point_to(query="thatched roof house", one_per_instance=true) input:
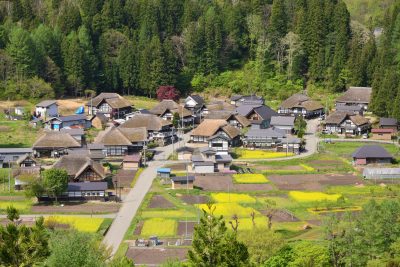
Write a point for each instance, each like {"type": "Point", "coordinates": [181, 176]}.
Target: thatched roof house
{"type": "Point", "coordinates": [81, 168]}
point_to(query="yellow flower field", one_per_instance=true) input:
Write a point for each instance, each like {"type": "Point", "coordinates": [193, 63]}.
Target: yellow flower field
{"type": "Point", "coordinates": [159, 227]}
{"type": "Point", "coordinates": [167, 214]}
{"type": "Point", "coordinates": [307, 168]}
{"type": "Point", "coordinates": [312, 196]}
{"type": "Point", "coordinates": [229, 209]}
{"type": "Point", "coordinates": [260, 154]}
{"type": "Point", "coordinates": [232, 197]}
{"type": "Point", "coordinates": [250, 178]}
{"type": "Point", "coordinates": [19, 205]}
{"type": "Point", "coordinates": [83, 224]}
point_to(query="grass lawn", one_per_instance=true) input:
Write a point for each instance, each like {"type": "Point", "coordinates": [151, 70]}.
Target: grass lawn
{"type": "Point", "coordinates": [229, 198]}
{"type": "Point", "coordinates": [142, 101]}
{"type": "Point", "coordinates": [17, 133]}
{"type": "Point", "coordinates": [82, 224]}
{"type": "Point", "coordinates": [229, 209]}
{"type": "Point", "coordinates": [259, 154]}
{"type": "Point", "coordinates": [21, 206]}
{"type": "Point", "coordinates": [300, 196]}
{"type": "Point", "coordinates": [250, 178]}
{"type": "Point", "coordinates": [159, 227]}
{"type": "Point", "coordinates": [345, 149]}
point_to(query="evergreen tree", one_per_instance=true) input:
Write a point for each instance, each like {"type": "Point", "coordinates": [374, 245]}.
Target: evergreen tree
{"type": "Point", "coordinates": [128, 64]}
{"type": "Point", "coordinates": [278, 22]}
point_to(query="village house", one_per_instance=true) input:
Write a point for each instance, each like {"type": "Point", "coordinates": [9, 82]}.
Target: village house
{"type": "Point", "coordinates": [9, 156]}
{"type": "Point", "coordinates": [122, 141]}
{"type": "Point", "coordinates": [26, 167]}
{"type": "Point", "coordinates": [389, 123]}
{"type": "Point", "coordinates": [77, 133]}
{"type": "Point", "coordinates": [46, 109]}
{"type": "Point", "coordinates": [285, 123]}
{"type": "Point", "coordinates": [54, 144]}
{"type": "Point", "coordinates": [371, 154]}
{"type": "Point", "coordinates": [132, 162]}
{"type": "Point", "coordinates": [87, 191]}
{"type": "Point", "coordinates": [99, 121]}
{"type": "Point", "coordinates": [257, 114]}
{"type": "Point", "coordinates": [263, 138]}
{"type": "Point", "coordinates": [81, 168]}
{"type": "Point", "coordinates": [159, 131]}
{"type": "Point", "coordinates": [217, 133]}
{"type": "Point", "coordinates": [219, 105]}
{"type": "Point", "coordinates": [182, 182]}
{"type": "Point", "coordinates": [77, 120]}
{"type": "Point", "coordinates": [97, 151]}
{"type": "Point", "coordinates": [167, 108]}
{"type": "Point", "coordinates": [301, 105]}
{"type": "Point", "coordinates": [383, 134]}
{"type": "Point", "coordinates": [236, 120]}
{"type": "Point", "coordinates": [343, 123]}
{"type": "Point", "coordinates": [164, 173]}
{"type": "Point", "coordinates": [354, 110]}
{"type": "Point", "coordinates": [356, 96]}
{"type": "Point", "coordinates": [197, 106]}
{"type": "Point", "coordinates": [209, 160]}
{"type": "Point", "coordinates": [185, 153]}
{"type": "Point", "coordinates": [112, 105]}
{"type": "Point", "coordinates": [238, 100]}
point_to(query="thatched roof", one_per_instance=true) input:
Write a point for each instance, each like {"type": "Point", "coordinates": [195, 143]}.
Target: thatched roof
{"type": "Point", "coordinates": [113, 99]}
{"type": "Point", "coordinates": [220, 105]}
{"type": "Point", "coordinates": [226, 115]}
{"type": "Point", "coordinates": [56, 140]}
{"type": "Point", "coordinates": [113, 136]}
{"type": "Point", "coordinates": [171, 106]}
{"type": "Point", "coordinates": [231, 131]}
{"type": "Point", "coordinates": [359, 95]}
{"type": "Point", "coordinates": [46, 103]}
{"type": "Point", "coordinates": [150, 122]}
{"type": "Point", "coordinates": [301, 101]}
{"type": "Point", "coordinates": [76, 164]}
{"type": "Point", "coordinates": [208, 127]}
{"type": "Point", "coordinates": [338, 117]}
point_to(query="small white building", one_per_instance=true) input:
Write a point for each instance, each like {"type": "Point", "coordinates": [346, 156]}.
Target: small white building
{"type": "Point", "coordinates": [47, 109]}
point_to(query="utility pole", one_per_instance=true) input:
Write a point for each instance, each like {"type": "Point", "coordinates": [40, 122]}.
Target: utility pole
{"type": "Point", "coordinates": [187, 193]}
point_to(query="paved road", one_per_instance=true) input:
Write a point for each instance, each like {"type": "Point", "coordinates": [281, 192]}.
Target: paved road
{"type": "Point", "coordinates": [133, 200]}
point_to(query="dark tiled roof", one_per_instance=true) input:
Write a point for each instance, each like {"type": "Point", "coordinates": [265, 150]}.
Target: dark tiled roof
{"type": "Point", "coordinates": [189, 178]}
{"type": "Point", "coordinates": [73, 132]}
{"type": "Point", "coordinates": [371, 151]}
{"type": "Point", "coordinates": [236, 97]}
{"type": "Point", "coordinates": [199, 100]}
{"type": "Point", "coordinates": [388, 122]}
{"type": "Point", "coordinates": [76, 117]}
{"type": "Point", "coordinates": [87, 186]}
{"type": "Point", "coordinates": [266, 133]}
{"type": "Point", "coordinates": [356, 95]}
{"type": "Point", "coordinates": [223, 158]}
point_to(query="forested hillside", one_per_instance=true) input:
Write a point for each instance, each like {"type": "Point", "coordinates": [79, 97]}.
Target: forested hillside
{"type": "Point", "coordinates": [369, 12]}
{"type": "Point", "coordinates": [273, 48]}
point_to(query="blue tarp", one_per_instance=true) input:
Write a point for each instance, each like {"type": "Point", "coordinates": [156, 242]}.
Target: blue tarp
{"type": "Point", "coordinates": [80, 110]}
{"type": "Point", "coordinates": [164, 170]}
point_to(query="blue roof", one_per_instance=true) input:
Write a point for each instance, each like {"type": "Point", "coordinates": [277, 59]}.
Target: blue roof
{"type": "Point", "coordinates": [164, 170]}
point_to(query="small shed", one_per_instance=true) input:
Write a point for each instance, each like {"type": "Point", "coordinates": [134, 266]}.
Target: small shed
{"type": "Point", "coordinates": [132, 162]}
{"type": "Point", "coordinates": [164, 172]}
{"type": "Point", "coordinates": [182, 182]}
{"type": "Point", "coordinates": [371, 154]}
{"type": "Point", "coordinates": [382, 134]}
{"type": "Point", "coordinates": [203, 167]}
{"type": "Point", "coordinates": [185, 153]}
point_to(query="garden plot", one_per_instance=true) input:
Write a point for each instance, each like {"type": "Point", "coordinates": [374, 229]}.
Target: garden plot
{"type": "Point", "coordinates": [160, 202]}
{"type": "Point", "coordinates": [177, 167]}
{"type": "Point", "coordinates": [83, 224]}
{"type": "Point", "coordinates": [253, 187]}
{"type": "Point", "coordinates": [155, 256]}
{"type": "Point", "coordinates": [259, 154]}
{"type": "Point", "coordinates": [250, 178]}
{"type": "Point", "coordinates": [213, 182]}
{"type": "Point", "coordinates": [192, 199]}
{"type": "Point", "coordinates": [183, 225]}
{"type": "Point", "coordinates": [77, 207]}
{"type": "Point", "coordinates": [232, 198]}
{"type": "Point", "coordinates": [300, 196]}
{"type": "Point", "coordinates": [229, 209]}
{"type": "Point", "coordinates": [281, 216]}
{"type": "Point", "coordinates": [314, 182]}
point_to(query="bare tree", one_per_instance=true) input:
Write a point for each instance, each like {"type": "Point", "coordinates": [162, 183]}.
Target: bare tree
{"type": "Point", "coordinates": [292, 46]}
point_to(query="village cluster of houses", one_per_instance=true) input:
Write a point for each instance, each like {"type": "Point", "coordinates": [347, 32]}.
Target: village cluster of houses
{"type": "Point", "coordinates": [215, 128]}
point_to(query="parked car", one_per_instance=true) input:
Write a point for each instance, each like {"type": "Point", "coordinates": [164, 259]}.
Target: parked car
{"type": "Point", "coordinates": [365, 136]}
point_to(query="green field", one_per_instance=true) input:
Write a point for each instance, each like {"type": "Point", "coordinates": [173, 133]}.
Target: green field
{"type": "Point", "coordinates": [16, 133]}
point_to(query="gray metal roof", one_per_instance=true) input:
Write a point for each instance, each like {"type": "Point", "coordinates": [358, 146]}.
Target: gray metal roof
{"type": "Point", "coordinates": [46, 103]}
{"type": "Point", "coordinates": [203, 163]}
{"type": "Point", "coordinates": [223, 158]}
{"type": "Point", "coordinates": [388, 122]}
{"type": "Point", "coordinates": [381, 171]}
{"type": "Point", "coordinates": [88, 186]}
{"type": "Point", "coordinates": [4, 151]}
{"type": "Point", "coordinates": [371, 151]}
{"type": "Point", "coordinates": [282, 120]}
{"type": "Point", "coordinates": [189, 178]}
{"type": "Point", "coordinates": [266, 133]}
{"type": "Point", "coordinates": [76, 117]}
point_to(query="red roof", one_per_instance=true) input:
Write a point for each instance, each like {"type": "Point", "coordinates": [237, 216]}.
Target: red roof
{"type": "Point", "coordinates": [132, 158]}
{"type": "Point", "coordinates": [382, 131]}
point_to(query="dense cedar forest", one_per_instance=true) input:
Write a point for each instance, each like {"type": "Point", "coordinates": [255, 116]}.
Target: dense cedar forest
{"type": "Point", "coordinates": [274, 48]}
